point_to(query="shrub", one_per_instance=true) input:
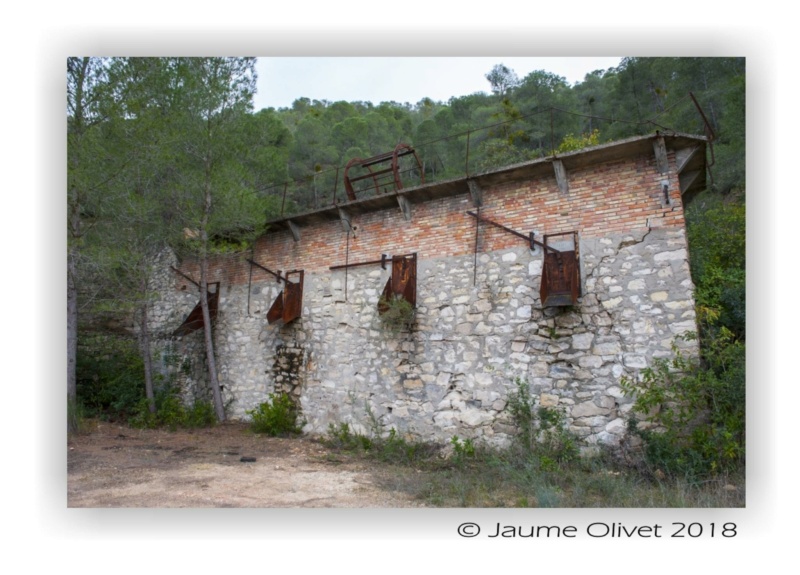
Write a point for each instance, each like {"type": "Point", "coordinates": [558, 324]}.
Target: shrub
{"type": "Point", "coordinates": [698, 411]}
{"type": "Point", "coordinates": [396, 314]}
{"type": "Point", "coordinates": [542, 430]}
{"type": "Point", "coordinates": [75, 417]}
{"type": "Point", "coordinates": [462, 448]}
{"type": "Point", "coordinates": [110, 377]}
{"type": "Point", "coordinates": [278, 416]}
{"type": "Point", "coordinates": [717, 243]}
{"type": "Point", "coordinates": [172, 413]}
{"type": "Point", "coordinates": [386, 447]}
{"type": "Point", "coordinates": [572, 142]}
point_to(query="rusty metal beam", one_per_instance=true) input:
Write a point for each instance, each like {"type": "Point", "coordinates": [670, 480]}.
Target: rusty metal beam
{"type": "Point", "coordinates": [194, 321]}
{"type": "Point", "coordinates": [529, 238]}
{"type": "Point", "coordinates": [381, 261]}
{"type": "Point", "coordinates": [269, 271]}
{"type": "Point", "coordinates": [176, 270]}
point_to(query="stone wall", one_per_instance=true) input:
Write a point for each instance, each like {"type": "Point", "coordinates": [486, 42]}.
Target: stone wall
{"type": "Point", "coordinates": [479, 324]}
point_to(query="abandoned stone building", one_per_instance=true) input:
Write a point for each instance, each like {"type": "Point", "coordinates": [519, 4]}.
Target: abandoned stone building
{"type": "Point", "coordinates": [566, 272]}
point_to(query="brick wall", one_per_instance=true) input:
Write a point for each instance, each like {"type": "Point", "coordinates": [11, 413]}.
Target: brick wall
{"type": "Point", "coordinates": [609, 198]}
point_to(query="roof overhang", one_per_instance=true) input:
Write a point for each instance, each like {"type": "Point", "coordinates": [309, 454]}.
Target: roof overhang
{"type": "Point", "coordinates": [689, 153]}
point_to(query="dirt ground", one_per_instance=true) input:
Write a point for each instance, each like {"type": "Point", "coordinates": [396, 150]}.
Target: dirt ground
{"type": "Point", "coordinates": [117, 466]}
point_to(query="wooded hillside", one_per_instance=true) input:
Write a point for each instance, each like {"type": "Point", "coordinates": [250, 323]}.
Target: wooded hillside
{"type": "Point", "coordinates": [169, 152]}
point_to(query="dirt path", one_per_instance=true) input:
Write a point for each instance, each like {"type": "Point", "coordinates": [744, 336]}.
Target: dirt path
{"type": "Point", "coordinates": [116, 466]}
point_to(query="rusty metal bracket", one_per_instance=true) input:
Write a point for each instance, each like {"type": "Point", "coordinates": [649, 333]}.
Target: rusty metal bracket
{"type": "Point", "coordinates": [176, 270]}
{"type": "Point", "coordinates": [277, 274]}
{"type": "Point", "coordinates": [382, 261]}
{"type": "Point", "coordinates": [529, 238]}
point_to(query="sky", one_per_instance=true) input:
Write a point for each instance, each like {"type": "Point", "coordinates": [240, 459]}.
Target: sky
{"type": "Point", "coordinates": [281, 80]}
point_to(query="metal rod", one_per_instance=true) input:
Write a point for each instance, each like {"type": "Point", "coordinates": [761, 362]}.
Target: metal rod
{"type": "Point", "coordinates": [709, 131]}
{"type": "Point", "coordinates": [702, 115]}
{"type": "Point", "coordinates": [269, 271]}
{"type": "Point", "coordinates": [335, 185]}
{"type": "Point", "coordinates": [349, 265]}
{"type": "Point", "coordinates": [466, 161]}
{"type": "Point", "coordinates": [347, 260]}
{"type": "Point", "coordinates": [510, 231]}
{"type": "Point", "coordinates": [475, 262]}
{"type": "Point", "coordinates": [184, 275]}
{"type": "Point", "coordinates": [250, 280]}
{"type": "Point", "coordinates": [384, 259]}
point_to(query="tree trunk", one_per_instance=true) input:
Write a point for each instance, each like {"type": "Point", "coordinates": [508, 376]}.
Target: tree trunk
{"type": "Point", "coordinates": [80, 71]}
{"type": "Point", "coordinates": [144, 340]}
{"type": "Point", "coordinates": [72, 331]}
{"type": "Point", "coordinates": [219, 407]}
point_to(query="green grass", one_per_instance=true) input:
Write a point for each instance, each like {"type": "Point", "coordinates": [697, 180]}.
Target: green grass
{"type": "Point", "coordinates": [517, 477]}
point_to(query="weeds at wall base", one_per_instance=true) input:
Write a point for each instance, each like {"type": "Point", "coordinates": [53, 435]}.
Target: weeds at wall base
{"type": "Point", "coordinates": [172, 413]}
{"type": "Point", "coordinates": [275, 417]}
{"type": "Point", "coordinates": [541, 468]}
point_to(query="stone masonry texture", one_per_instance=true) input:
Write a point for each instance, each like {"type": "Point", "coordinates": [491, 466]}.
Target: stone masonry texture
{"type": "Point", "coordinates": [479, 325]}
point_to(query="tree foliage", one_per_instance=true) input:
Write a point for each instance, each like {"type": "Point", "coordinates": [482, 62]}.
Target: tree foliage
{"type": "Point", "coordinates": [502, 79]}
{"type": "Point", "coordinates": [158, 146]}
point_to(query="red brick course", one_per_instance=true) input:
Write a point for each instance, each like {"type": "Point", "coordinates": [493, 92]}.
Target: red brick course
{"type": "Point", "coordinates": [605, 199]}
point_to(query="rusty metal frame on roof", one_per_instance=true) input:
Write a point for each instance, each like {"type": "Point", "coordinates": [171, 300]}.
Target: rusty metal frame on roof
{"type": "Point", "coordinates": [402, 283]}
{"type": "Point", "coordinates": [194, 321]}
{"type": "Point", "coordinates": [386, 176]}
{"type": "Point", "coordinates": [561, 276]}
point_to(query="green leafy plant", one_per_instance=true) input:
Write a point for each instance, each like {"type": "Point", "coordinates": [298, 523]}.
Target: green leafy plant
{"type": "Point", "coordinates": [278, 416]}
{"type": "Point", "coordinates": [341, 437]}
{"type": "Point", "coordinates": [172, 412]}
{"type": "Point", "coordinates": [463, 449]}
{"type": "Point", "coordinates": [110, 377]}
{"type": "Point", "coordinates": [571, 142]}
{"type": "Point", "coordinates": [75, 417]}
{"type": "Point", "coordinates": [696, 411]}
{"type": "Point", "coordinates": [397, 314]}
{"type": "Point", "coordinates": [542, 430]}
